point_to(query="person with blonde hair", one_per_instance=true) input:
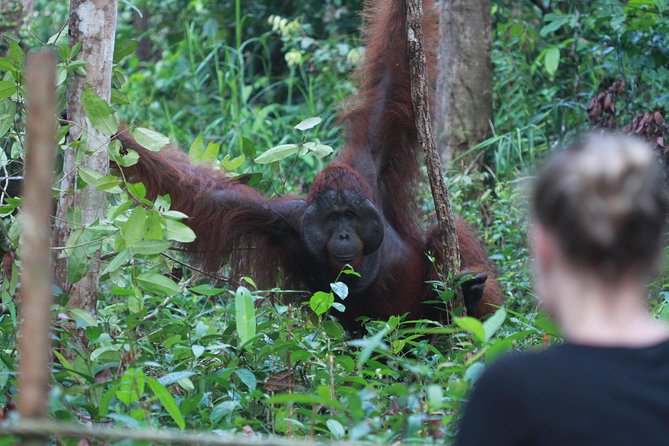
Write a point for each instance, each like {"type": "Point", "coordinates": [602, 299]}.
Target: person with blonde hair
{"type": "Point", "coordinates": [599, 214]}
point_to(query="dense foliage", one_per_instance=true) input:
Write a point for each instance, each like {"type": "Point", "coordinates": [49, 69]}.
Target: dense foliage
{"type": "Point", "coordinates": [228, 80]}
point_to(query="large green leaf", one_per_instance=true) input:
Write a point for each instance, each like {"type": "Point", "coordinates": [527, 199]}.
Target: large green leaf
{"type": "Point", "coordinates": [7, 89]}
{"type": "Point", "coordinates": [167, 400]}
{"type": "Point", "coordinates": [245, 313]}
{"type": "Point", "coordinates": [150, 139]}
{"type": "Point", "coordinates": [472, 326]}
{"type": "Point", "coordinates": [308, 123]}
{"type": "Point", "coordinates": [277, 153]}
{"type": "Point", "coordinates": [133, 229]}
{"type": "Point", "coordinates": [99, 112]}
{"type": "Point", "coordinates": [155, 283]}
{"type": "Point", "coordinates": [552, 60]}
{"type": "Point", "coordinates": [179, 232]}
{"type": "Point", "coordinates": [492, 324]}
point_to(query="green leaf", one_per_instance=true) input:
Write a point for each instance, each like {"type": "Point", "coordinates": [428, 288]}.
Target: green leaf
{"type": "Point", "coordinates": [127, 159]}
{"type": "Point", "coordinates": [118, 261]}
{"type": "Point", "coordinates": [99, 112]}
{"type": "Point", "coordinates": [552, 60]}
{"type": "Point", "coordinates": [124, 48]}
{"type": "Point", "coordinates": [83, 318]}
{"type": "Point", "coordinates": [320, 302]}
{"type": "Point", "coordinates": [105, 401]}
{"type": "Point", "coordinates": [247, 377]}
{"type": "Point", "coordinates": [245, 315]}
{"type": "Point", "coordinates": [16, 54]}
{"type": "Point", "coordinates": [472, 326]}
{"type": "Point", "coordinates": [89, 176]}
{"type": "Point", "coordinates": [135, 301]}
{"type": "Point", "coordinates": [340, 289]}
{"type": "Point", "coordinates": [196, 148]}
{"type": "Point", "coordinates": [7, 89]}
{"type": "Point", "coordinates": [6, 121]}
{"type": "Point", "coordinates": [150, 139]}
{"type": "Point", "coordinates": [197, 350]}
{"type": "Point", "coordinates": [277, 153]}
{"type": "Point", "coordinates": [336, 428]}
{"type": "Point", "coordinates": [492, 324]}
{"type": "Point", "coordinates": [110, 184]}
{"type": "Point", "coordinates": [248, 148]}
{"type": "Point", "coordinates": [320, 150]}
{"type": "Point", "coordinates": [79, 261]}
{"type": "Point", "coordinates": [151, 247]}
{"type": "Point", "coordinates": [554, 25]}
{"type": "Point", "coordinates": [308, 123]}
{"type": "Point", "coordinates": [119, 98]}
{"type": "Point", "coordinates": [6, 65]}
{"type": "Point", "coordinates": [206, 290]}
{"type": "Point", "coordinates": [369, 345]}
{"type": "Point", "coordinates": [167, 400]}
{"type": "Point", "coordinates": [210, 154]}
{"type": "Point", "coordinates": [232, 164]}
{"type": "Point", "coordinates": [133, 229]}
{"type": "Point", "coordinates": [155, 283]}
{"type": "Point", "coordinates": [179, 232]}
{"type": "Point", "coordinates": [474, 371]}
{"type": "Point", "coordinates": [435, 396]}
{"type": "Point", "coordinates": [173, 377]}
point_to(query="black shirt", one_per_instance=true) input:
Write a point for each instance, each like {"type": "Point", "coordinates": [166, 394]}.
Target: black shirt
{"type": "Point", "coordinates": [572, 395]}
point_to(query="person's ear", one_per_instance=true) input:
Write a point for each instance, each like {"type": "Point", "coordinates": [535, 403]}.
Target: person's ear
{"type": "Point", "coordinates": [542, 245]}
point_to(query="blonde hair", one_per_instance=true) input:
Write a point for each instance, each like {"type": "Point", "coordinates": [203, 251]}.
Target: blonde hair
{"type": "Point", "coordinates": [605, 200]}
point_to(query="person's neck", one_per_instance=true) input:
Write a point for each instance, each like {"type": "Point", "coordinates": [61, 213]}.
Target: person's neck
{"type": "Point", "coordinates": [601, 315]}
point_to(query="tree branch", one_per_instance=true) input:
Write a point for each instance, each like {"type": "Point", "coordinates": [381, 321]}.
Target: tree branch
{"type": "Point", "coordinates": [421, 107]}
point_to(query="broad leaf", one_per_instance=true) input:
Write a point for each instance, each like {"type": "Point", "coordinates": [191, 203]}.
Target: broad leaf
{"type": "Point", "coordinates": [7, 89]}
{"type": "Point", "coordinates": [245, 315]}
{"type": "Point", "coordinates": [277, 153]}
{"type": "Point", "coordinates": [472, 326]}
{"type": "Point", "coordinates": [99, 112]}
{"type": "Point", "coordinates": [150, 139]}
{"type": "Point", "coordinates": [552, 60]}
{"type": "Point", "coordinates": [155, 283]}
{"type": "Point", "coordinates": [167, 400]}
{"type": "Point", "coordinates": [320, 150]}
{"type": "Point", "coordinates": [321, 302]}
{"type": "Point", "coordinates": [308, 123]}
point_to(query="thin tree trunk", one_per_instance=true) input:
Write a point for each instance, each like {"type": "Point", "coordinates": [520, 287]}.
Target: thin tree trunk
{"type": "Point", "coordinates": [36, 288]}
{"type": "Point", "coordinates": [464, 86]}
{"type": "Point", "coordinates": [93, 25]}
{"type": "Point", "coordinates": [421, 108]}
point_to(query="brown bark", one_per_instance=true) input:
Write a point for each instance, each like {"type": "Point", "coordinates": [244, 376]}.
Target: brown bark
{"type": "Point", "coordinates": [93, 24]}
{"type": "Point", "coordinates": [464, 86]}
{"type": "Point", "coordinates": [36, 289]}
{"type": "Point", "coordinates": [421, 107]}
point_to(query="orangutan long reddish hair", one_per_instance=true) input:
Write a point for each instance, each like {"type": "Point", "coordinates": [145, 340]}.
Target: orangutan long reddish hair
{"type": "Point", "coordinates": [361, 210]}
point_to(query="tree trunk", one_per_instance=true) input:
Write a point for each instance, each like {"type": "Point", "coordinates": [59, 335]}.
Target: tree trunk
{"type": "Point", "coordinates": [464, 84]}
{"type": "Point", "coordinates": [93, 25]}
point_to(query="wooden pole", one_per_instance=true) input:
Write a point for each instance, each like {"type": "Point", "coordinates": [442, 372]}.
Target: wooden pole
{"type": "Point", "coordinates": [421, 108]}
{"type": "Point", "coordinates": [36, 288]}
